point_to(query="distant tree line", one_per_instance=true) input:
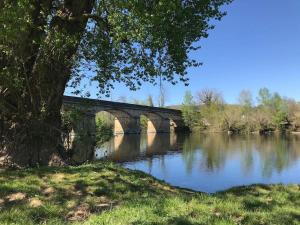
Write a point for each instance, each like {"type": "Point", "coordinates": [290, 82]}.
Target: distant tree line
{"type": "Point", "coordinates": [207, 111]}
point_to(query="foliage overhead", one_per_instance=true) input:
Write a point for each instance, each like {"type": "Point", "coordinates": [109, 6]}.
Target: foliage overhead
{"type": "Point", "coordinates": [124, 41]}
{"type": "Point", "coordinates": [48, 45]}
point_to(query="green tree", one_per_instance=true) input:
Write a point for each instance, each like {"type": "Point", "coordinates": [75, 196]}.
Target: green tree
{"type": "Point", "coordinates": [104, 129]}
{"type": "Point", "coordinates": [144, 123]}
{"type": "Point", "coordinates": [48, 44]}
{"type": "Point", "coordinates": [264, 97]}
{"type": "Point", "coordinates": [280, 111]}
{"type": "Point", "coordinates": [274, 105]}
{"type": "Point", "coordinates": [212, 105]}
{"type": "Point", "coordinates": [189, 110]}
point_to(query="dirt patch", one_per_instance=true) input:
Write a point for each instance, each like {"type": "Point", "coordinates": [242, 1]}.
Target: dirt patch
{"type": "Point", "coordinates": [58, 177]}
{"type": "Point", "coordinates": [104, 199]}
{"type": "Point", "coordinates": [19, 196]}
{"type": "Point", "coordinates": [48, 191]}
{"type": "Point", "coordinates": [35, 202]}
{"type": "Point", "coordinates": [80, 213]}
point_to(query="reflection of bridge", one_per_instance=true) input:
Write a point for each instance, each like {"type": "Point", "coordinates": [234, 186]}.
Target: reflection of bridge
{"type": "Point", "coordinates": [127, 116]}
{"type": "Point", "coordinates": [126, 148]}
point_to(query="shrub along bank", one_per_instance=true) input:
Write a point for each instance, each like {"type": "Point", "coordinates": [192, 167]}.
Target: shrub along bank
{"type": "Point", "coordinates": [208, 112]}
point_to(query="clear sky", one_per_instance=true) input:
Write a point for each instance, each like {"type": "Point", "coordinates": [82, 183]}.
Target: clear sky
{"type": "Point", "coordinates": [256, 45]}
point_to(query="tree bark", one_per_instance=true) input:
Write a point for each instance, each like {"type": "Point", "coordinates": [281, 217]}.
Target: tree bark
{"type": "Point", "coordinates": [31, 131]}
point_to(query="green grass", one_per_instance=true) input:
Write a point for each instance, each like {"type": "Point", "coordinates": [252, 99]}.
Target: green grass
{"type": "Point", "coordinates": [108, 194]}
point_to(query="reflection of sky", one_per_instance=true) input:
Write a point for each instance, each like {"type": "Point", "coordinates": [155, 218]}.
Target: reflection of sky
{"type": "Point", "coordinates": [228, 165]}
{"type": "Point", "coordinates": [199, 179]}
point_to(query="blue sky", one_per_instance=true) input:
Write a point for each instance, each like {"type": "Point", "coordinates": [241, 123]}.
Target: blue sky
{"type": "Point", "coordinates": [256, 45]}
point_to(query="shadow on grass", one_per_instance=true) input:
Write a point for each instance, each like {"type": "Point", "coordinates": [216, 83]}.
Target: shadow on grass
{"type": "Point", "coordinates": [74, 193]}
{"type": "Point", "coordinates": [77, 191]}
{"type": "Point", "coordinates": [180, 221]}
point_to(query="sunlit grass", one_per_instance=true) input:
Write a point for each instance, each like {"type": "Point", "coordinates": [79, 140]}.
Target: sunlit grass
{"type": "Point", "coordinates": [108, 194]}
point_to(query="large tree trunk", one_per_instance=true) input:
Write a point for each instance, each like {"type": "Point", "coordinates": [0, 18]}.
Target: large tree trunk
{"type": "Point", "coordinates": [31, 129]}
{"type": "Point", "coordinates": [33, 141]}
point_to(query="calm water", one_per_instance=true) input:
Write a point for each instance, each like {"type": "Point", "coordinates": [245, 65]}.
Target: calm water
{"type": "Point", "coordinates": [209, 163]}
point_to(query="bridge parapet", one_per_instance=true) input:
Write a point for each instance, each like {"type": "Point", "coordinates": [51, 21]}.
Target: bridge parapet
{"type": "Point", "coordinates": [100, 105]}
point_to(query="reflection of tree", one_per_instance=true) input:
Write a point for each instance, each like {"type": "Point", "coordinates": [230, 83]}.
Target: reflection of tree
{"type": "Point", "coordinates": [275, 152]}
{"type": "Point", "coordinates": [248, 159]}
{"type": "Point", "coordinates": [212, 147]}
{"type": "Point", "coordinates": [150, 164]}
{"type": "Point", "coordinates": [143, 144]}
{"type": "Point", "coordinates": [163, 164]}
{"type": "Point", "coordinates": [188, 152]}
{"type": "Point", "coordinates": [280, 152]}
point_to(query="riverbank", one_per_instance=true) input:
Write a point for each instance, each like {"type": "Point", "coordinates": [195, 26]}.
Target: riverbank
{"type": "Point", "coordinates": [106, 193]}
{"type": "Point", "coordinates": [257, 132]}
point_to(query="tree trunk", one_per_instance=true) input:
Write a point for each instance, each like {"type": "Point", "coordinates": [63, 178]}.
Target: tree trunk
{"type": "Point", "coordinates": [31, 129]}
{"type": "Point", "coordinates": [31, 142]}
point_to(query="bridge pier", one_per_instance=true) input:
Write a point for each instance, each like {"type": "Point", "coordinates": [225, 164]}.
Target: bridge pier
{"type": "Point", "coordinates": [158, 124]}
{"type": "Point", "coordinates": [178, 126]}
{"type": "Point", "coordinates": [127, 125]}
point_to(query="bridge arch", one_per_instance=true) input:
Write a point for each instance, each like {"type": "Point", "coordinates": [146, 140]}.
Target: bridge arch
{"type": "Point", "coordinates": [156, 123]}
{"type": "Point", "coordinates": [123, 122]}
{"type": "Point", "coordinates": [178, 125]}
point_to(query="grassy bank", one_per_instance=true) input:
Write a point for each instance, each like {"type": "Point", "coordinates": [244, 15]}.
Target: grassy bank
{"type": "Point", "coordinates": [108, 194]}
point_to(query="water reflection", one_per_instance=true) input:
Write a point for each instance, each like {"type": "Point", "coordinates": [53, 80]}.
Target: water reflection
{"type": "Point", "coordinates": [209, 162]}
{"type": "Point", "coordinates": [126, 148]}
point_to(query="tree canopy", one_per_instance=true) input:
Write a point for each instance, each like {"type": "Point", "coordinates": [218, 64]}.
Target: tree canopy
{"type": "Point", "coordinates": [124, 41]}
{"type": "Point", "coordinates": [48, 44]}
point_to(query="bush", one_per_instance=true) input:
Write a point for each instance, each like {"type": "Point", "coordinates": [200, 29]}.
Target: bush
{"type": "Point", "coordinates": [144, 123]}
{"type": "Point", "coordinates": [104, 128]}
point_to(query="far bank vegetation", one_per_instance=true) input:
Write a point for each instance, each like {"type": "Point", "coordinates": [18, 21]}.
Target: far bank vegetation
{"type": "Point", "coordinates": [207, 111]}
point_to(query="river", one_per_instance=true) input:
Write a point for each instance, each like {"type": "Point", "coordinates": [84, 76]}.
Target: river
{"type": "Point", "coordinates": [208, 162]}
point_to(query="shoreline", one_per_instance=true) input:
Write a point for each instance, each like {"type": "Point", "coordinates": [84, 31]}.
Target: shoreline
{"type": "Point", "coordinates": [244, 133]}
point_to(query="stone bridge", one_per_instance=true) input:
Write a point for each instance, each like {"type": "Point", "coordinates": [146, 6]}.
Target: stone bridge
{"type": "Point", "coordinates": [126, 116]}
